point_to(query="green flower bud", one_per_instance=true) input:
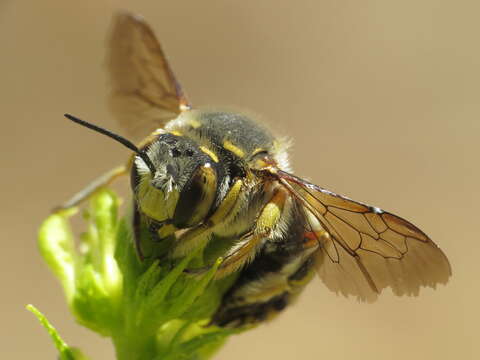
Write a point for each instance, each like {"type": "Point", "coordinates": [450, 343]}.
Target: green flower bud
{"type": "Point", "coordinates": [150, 309]}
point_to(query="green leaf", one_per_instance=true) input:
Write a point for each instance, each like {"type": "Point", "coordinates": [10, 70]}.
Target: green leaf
{"type": "Point", "coordinates": [65, 352]}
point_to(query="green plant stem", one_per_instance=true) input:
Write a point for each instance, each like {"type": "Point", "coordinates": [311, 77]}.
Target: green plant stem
{"type": "Point", "coordinates": [138, 346]}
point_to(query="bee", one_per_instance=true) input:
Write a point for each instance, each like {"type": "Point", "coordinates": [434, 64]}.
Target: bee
{"type": "Point", "coordinates": [207, 178]}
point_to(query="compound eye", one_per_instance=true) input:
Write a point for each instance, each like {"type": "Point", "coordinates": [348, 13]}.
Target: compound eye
{"type": "Point", "coordinates": [196, 197]}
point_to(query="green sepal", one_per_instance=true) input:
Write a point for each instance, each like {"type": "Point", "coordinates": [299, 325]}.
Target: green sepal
{"type": "Point", "coordinates": [151, 309]}
{"type": "Point", "coordinates": [57, 247]}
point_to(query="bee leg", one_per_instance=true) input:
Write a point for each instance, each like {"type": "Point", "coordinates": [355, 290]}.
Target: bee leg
{"type": "Point", "coordinates": [91, 188]}
{"type": "Point", "coordinates": [153, 228]}
{"type": "Point", "coordinates": [157, 231]}
{"type": "Point", "coordinates": [199, 235]}
{"type": "Point", "coordinates": [244, 251]}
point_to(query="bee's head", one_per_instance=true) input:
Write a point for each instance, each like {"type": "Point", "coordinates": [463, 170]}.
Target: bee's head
{"type": "Point", "coordinates": [183, 177]}
{"type": "Point", "coordinates": [174, 158]}
{"type": "Point", "coordinates": [173, 180]}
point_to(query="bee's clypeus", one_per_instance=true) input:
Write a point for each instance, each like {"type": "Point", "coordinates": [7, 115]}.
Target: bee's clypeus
{"type": "Point", "coordinates": [201, 177]}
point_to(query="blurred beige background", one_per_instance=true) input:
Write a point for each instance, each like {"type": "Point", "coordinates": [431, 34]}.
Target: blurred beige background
{"type": "Point", "coordinates": [381, 98]}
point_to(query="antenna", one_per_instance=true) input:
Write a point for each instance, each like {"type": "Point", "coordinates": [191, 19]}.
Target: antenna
{"type": "Point", "coordinates": [116, 137]}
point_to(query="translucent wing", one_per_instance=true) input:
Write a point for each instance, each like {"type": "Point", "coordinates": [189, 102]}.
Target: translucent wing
{"type": "Point", "coordinates": [364, 249]}
{"type": "Point", "coordinates": [145, 94]}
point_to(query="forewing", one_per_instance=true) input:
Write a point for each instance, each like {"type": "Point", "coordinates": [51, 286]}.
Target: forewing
{"type": "Point", "coordinates": [144, 91]}
{"type": "Point", "coordinates": [366, 249]}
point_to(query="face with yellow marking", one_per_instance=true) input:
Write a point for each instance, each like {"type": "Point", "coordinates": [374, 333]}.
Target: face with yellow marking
{"type": "Point", "coordinates": [183, 173]}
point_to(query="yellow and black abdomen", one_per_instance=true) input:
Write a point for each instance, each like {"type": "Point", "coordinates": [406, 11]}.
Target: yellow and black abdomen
{"type": "Point", "coordinates": [272, 281]}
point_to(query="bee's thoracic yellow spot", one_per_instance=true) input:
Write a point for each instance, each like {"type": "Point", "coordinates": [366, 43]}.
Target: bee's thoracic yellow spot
{"type": "Point", "coordinates": [260, 164]}
{"type": "Point", "coordinates": [257, 150]}
{"type": "Point", "coordinates": [176, 133]}
{"type": "Point", "coordinates": [194, 123]}
{"type": "Point", "coordinates": [234, 149]}
{"type": "Point", "coordinates": [209, 153]}
{"type": "Point", "coordinates": [158, 131]}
